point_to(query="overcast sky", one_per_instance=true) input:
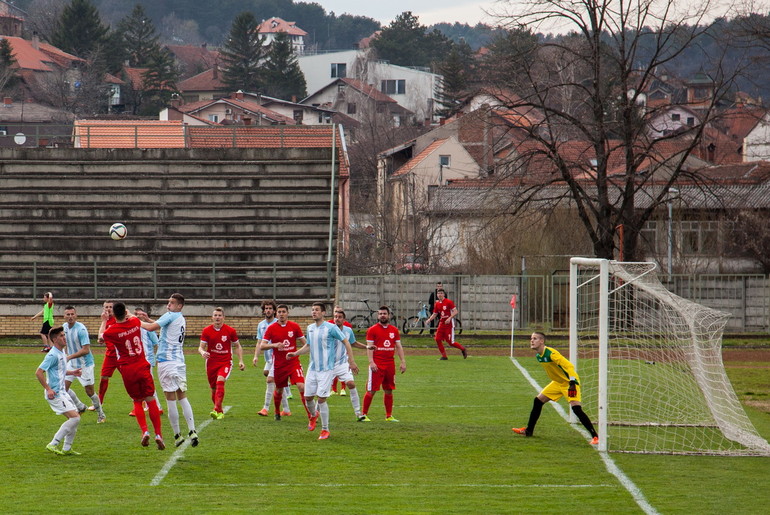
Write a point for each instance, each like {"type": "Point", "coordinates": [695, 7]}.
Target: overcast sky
{"type": "Point", "coordinates": [428, 11]}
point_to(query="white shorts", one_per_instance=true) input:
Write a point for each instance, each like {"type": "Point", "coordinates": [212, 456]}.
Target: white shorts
{"type": "Point", "coordinates": [343, 373]}
{"type": "Point", "coordinates": [86, 376]}
{"type": "Point", "coordinates": [268, 366]}
{"type": "Point", "coordinates": [172, 376]}
{"type": "Point", "coordinates": [319, 383]}
{"type": "Point", "coordinates": [61, 403]}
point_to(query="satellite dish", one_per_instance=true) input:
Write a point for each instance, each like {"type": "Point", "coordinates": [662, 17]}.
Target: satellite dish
{"type": "Point", "coordinates": [20, 138]}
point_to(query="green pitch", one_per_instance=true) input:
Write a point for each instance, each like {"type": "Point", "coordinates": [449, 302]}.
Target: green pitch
{"type": "Point", "coordinates": [453, 451]}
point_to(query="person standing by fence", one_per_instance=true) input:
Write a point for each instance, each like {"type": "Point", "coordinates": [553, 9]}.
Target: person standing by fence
{"type": "Point", "coordinates": [48, 322]}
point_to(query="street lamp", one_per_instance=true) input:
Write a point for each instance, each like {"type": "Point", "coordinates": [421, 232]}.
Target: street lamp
{"type": "Point", "coordinates": [670, 203]}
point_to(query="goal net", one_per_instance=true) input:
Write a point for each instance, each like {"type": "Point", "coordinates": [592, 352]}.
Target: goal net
{"type": "Point", "coordinates": [650, 365]}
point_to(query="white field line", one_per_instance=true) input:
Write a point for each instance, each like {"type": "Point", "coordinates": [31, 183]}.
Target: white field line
{"type": "Point", "coordinates": [609, 463]}
{"type": "Point", "coordinates": [179, 452]}
{"type": "Point", "coordinates": [398, 485]}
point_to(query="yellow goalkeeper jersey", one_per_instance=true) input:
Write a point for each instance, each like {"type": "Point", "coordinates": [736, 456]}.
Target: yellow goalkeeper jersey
{"type": "Point", "coordinates": [557, 367]}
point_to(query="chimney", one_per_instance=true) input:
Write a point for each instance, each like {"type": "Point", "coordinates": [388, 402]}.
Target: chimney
{"type": "Point", "coordinates": [7, 102]}
{"type": "Point", "coordinates": [246, 120]}
{"type": "Point", "coordinates": [176, 100]}
{"type": "Point", "coordinates": [239, 95]}
{"type": "Point", "coordinates": [294, 98]}
{"type": "Point", "coordinates": [216, 71]}
{"type": "Point", "coordinates": [35, 41]}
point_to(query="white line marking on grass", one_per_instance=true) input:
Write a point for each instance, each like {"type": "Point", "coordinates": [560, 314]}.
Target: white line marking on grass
{"type": "Point", "coordinates": [396, 485]}
{"type": "Point", "coordinates": [179, 452]}
{"type": "Point", "coordinates": [609, 463]}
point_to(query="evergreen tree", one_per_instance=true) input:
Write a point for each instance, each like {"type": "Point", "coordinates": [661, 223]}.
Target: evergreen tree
{"type": "Point", "coordinates": [510, 54]}
{"type": "Point", "coordinates": [79, 29]}
{"type": "Point", "coordinates": [456, 78]}
{"type": "Point", "coordinates": [159, 81]}
{"type": "Point", "coordinates": [140, 39]}
{"type": "Point", "coordinates": [8, 75]}
{"type": "Point", "coordinates": [242, 55]}
{"type": "Point", "coordinates": [407, 43]}
{"type": "Point", "coordinates": [282, 76]}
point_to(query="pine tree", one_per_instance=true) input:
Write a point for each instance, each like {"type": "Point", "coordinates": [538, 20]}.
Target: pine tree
{"type": "Point", "coordinates": [456, 78]}
{"type": "Point", "coordinates": [79, 29]}
{"type": "Point", "coordinates": [159, 81]}
{"type": "Point", "coordinates": [242, 55]}
{"type": "Point", "coordinates": [407, 43]}
{"type": "Point", "coordinates": [283, 77]}
{"type": "Point", "coordinates": [8, 75]}
{"type": "Point", "coordinates": [140, 38]}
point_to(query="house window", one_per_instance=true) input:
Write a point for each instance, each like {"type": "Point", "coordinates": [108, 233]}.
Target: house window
{"type": "Point", "coordinates": [699, 237]}
{"type": "Point", "coordinates": [649, 236]}
{"type": "Point", "coordinates": [341, 89]}
{"type": "Point", "coordinates": [445, 161]}
{"type": "Point", "coordinates": [339, 70]}
{"type": "Point", "coordinates": [351, 108]}
{"type": "Point", "coordinates": [690, 121]}
{"type": "Point", "coordinates": [214, 118]}
{"type": "Point", "coordinates": [676, 117]}
{"type": "Point", "coordinates": [393, 87]}
{"type": "Point", "coordinates": [298, 114]}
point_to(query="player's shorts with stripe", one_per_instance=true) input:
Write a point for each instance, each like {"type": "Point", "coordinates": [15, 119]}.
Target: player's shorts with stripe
{"type": "Point", "coordinates": [109, 365]}
{"type": "Point", "coordinates": [384, 377]}
{"type": "Point", "coordinates": [61, 403]}
{"type": "Point", "coordinates": [319, 383]}
{"type": "Point", "coordinates": [86, 376]}
{"type": "Point", "coordinates": [138, 381]}
{"type": "Point", "coordinates": [172, 376]}
{"type": "Point", "coordinates": [283, 377]}
{"type": "Point", "coordinates": [445, 332]}
{"type": "Point", "coordinates": [343, 373]}
{"type": "Point", "coordinates": [216, 369]}
{"type": "Point", "coordinates": [556, 391]}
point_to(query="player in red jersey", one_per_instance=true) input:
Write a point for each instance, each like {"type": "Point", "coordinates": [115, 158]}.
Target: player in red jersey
{"type": "Point", "coordinates": [110, 362]}
{"type": "Point", "coordinates": [446, 310]}
{"type": "Point", "coordinates": [125, 336]}
{"type": "Point", "coordinates": [382, 341]}
{"type": "Point", "coordinates": [217, 342]}
{"type": "Point", "coordinates": [282, 336]}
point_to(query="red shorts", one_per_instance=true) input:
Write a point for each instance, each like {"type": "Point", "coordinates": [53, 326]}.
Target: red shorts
{"type": "Point", "coordinates": [445, 332]}
{"type": "Point", "coordinates": [138, 380]}
{"type": "Point", "coordinates": [109, 365]}
{"type": "Point", "coordinates": [384, 377]}
{"type": "Point", "coordinates": [216, 369]}
{"type": "Point", "coordinates": [290, 375]}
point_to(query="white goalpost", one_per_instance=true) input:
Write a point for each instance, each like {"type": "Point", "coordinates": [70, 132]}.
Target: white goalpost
{"type": "Point", "coordinates": [650, 365]}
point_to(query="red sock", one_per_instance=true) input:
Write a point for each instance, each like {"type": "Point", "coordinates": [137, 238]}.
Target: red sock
{"type": "Point", "coordinates": [334, 385]}
{"type": "Point", "coordinates": [456, 345]}
{"type": "Point", "coordinates": [219, 396]}
{"type": "Point", "coordinates": [140, 418]}
{"type": "Point", "coordinates": [388, 400]}
{"type": "Point", "coordinates": [277, 397]}
{"type": "Point", "coordinates": [342, 386]}
{"type": "Point", "coordinates": [304, 403]}
{"type": "Point", "coordinates": [367, 402]}
{"type": "Point", "coordinates": [154, 416]}
{"type": "Point", "coordinates": [214, 396]}
{"type": "Point", "coordinates": [441, 348]}
{"type": "Point", "coordinates": [103, 384]}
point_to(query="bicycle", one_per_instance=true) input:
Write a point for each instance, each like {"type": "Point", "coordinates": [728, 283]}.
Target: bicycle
{"type": "Point", "coordinates": [366, 321]}
{"type": "Point", "coordinates": [416, 324]}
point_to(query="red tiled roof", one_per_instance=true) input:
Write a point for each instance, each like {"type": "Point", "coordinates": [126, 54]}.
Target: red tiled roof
{"type": "Point", "coordinates": [41, 58]}
{"type": "Point", "coordinates": [245, 105]}
{"type": "Point", "coordinates": [193, 58]}
{"type": "Point", "coordinates": [419, 158]}
{"type": "Point", "coordinates": [135, 76]}
{"type": "Point", "coordinates": [128, 134]}
{"type": "Point", "coordinates": [368, 90]}
{"type": "Point", "coordinates": [274, 25]}
{"type": "Point", "coordinates": [204, 81]}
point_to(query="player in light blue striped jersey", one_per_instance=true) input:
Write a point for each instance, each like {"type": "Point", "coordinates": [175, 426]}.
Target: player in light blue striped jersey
{"type": "Point", "coordinates": [79, 356]}
{"type": "Point", "coordinates": [172, 372]}
{"type": "Point", "coordinates": [323, 339]}
{"type": "Point", "coordinates": [341, 365]}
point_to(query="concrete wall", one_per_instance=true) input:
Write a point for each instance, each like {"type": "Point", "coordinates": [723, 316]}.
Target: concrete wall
{"type": "Point", "coordinates": [263, 212]}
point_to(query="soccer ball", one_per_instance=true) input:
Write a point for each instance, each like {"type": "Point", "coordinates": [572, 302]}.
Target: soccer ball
{"type": "Point", "coordinates": [118, 231]}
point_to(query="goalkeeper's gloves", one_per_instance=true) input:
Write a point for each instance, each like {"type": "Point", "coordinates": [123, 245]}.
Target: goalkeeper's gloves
{"type": "Point", "coordinates": [572, 391]}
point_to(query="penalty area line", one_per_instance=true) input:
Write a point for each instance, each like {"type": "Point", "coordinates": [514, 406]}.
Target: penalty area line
{"type": "Point", "coordinates": [179, 452]}
{"type": "Point", "coordinates": [609, 463]}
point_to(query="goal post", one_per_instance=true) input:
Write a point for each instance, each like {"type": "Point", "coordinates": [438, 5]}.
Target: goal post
{"type": "Point", "coordinates": [650, 365]}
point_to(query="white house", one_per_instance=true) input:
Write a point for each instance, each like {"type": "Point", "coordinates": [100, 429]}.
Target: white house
{"type": "Point", "coordinates": [671, 119]}
{"type": "Point", "coordinates": [756, 144]}
{"type": "Point", "coordinates": [272, 27]}
{"type": "Point", "coordinates": [412, 88]}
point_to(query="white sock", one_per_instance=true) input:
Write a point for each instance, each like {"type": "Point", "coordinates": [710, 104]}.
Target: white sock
{"type": "Point", "coordinates": [323, 407]}
{"type": "Point", "coordinates": [157, 401]}
{"type": "Point", "coordinates": [355, 400]}
{"type": "Point", "coordinates": [286, 392]}
{"type": "Point", "coordinates": [97, 404]}
{"type": "Point", "coordinates": [312, 407]}
{"type": "Point", "coordinates": [285, 403]}
{"type": "Point", "coordinates": [75, 399]}
{"type": "Point", "coordinates": [188, 413]}
{"type": "Point", "coordinates": [269, 395]}
{"type": "Point", "coordinates": [173, 416]}
{"type": "Point", "coordinates": [70, 436]}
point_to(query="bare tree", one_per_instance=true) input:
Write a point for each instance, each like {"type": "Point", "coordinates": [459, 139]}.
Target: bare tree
{"type": "Point", "coordinates": [589, 88]}
{"type": "Point", "coordinates": [43, 16]}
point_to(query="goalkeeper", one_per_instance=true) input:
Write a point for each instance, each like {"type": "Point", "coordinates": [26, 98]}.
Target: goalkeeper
{"type": "Point", "coordinates": [564, 382]}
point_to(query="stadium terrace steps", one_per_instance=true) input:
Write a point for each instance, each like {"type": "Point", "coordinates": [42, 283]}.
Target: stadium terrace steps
{"type": "Point", "coordinates": [238, 222]}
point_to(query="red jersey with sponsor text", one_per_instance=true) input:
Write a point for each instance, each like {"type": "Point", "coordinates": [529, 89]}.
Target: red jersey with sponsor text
{"type": "Point", "coordinates": [126, 338]}
{"type": "Point", "coordinates": [219, 343]}
{"type": "Point", "coordinates": [444, 308]}
{"type": "Point", "coordinates": [384, 338]}
{"type": "Point", "coordinates": [286, 334]}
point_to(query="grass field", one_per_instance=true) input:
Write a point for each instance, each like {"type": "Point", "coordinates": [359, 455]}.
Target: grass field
{"type": "Point", "coordinates": [452, 452]}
